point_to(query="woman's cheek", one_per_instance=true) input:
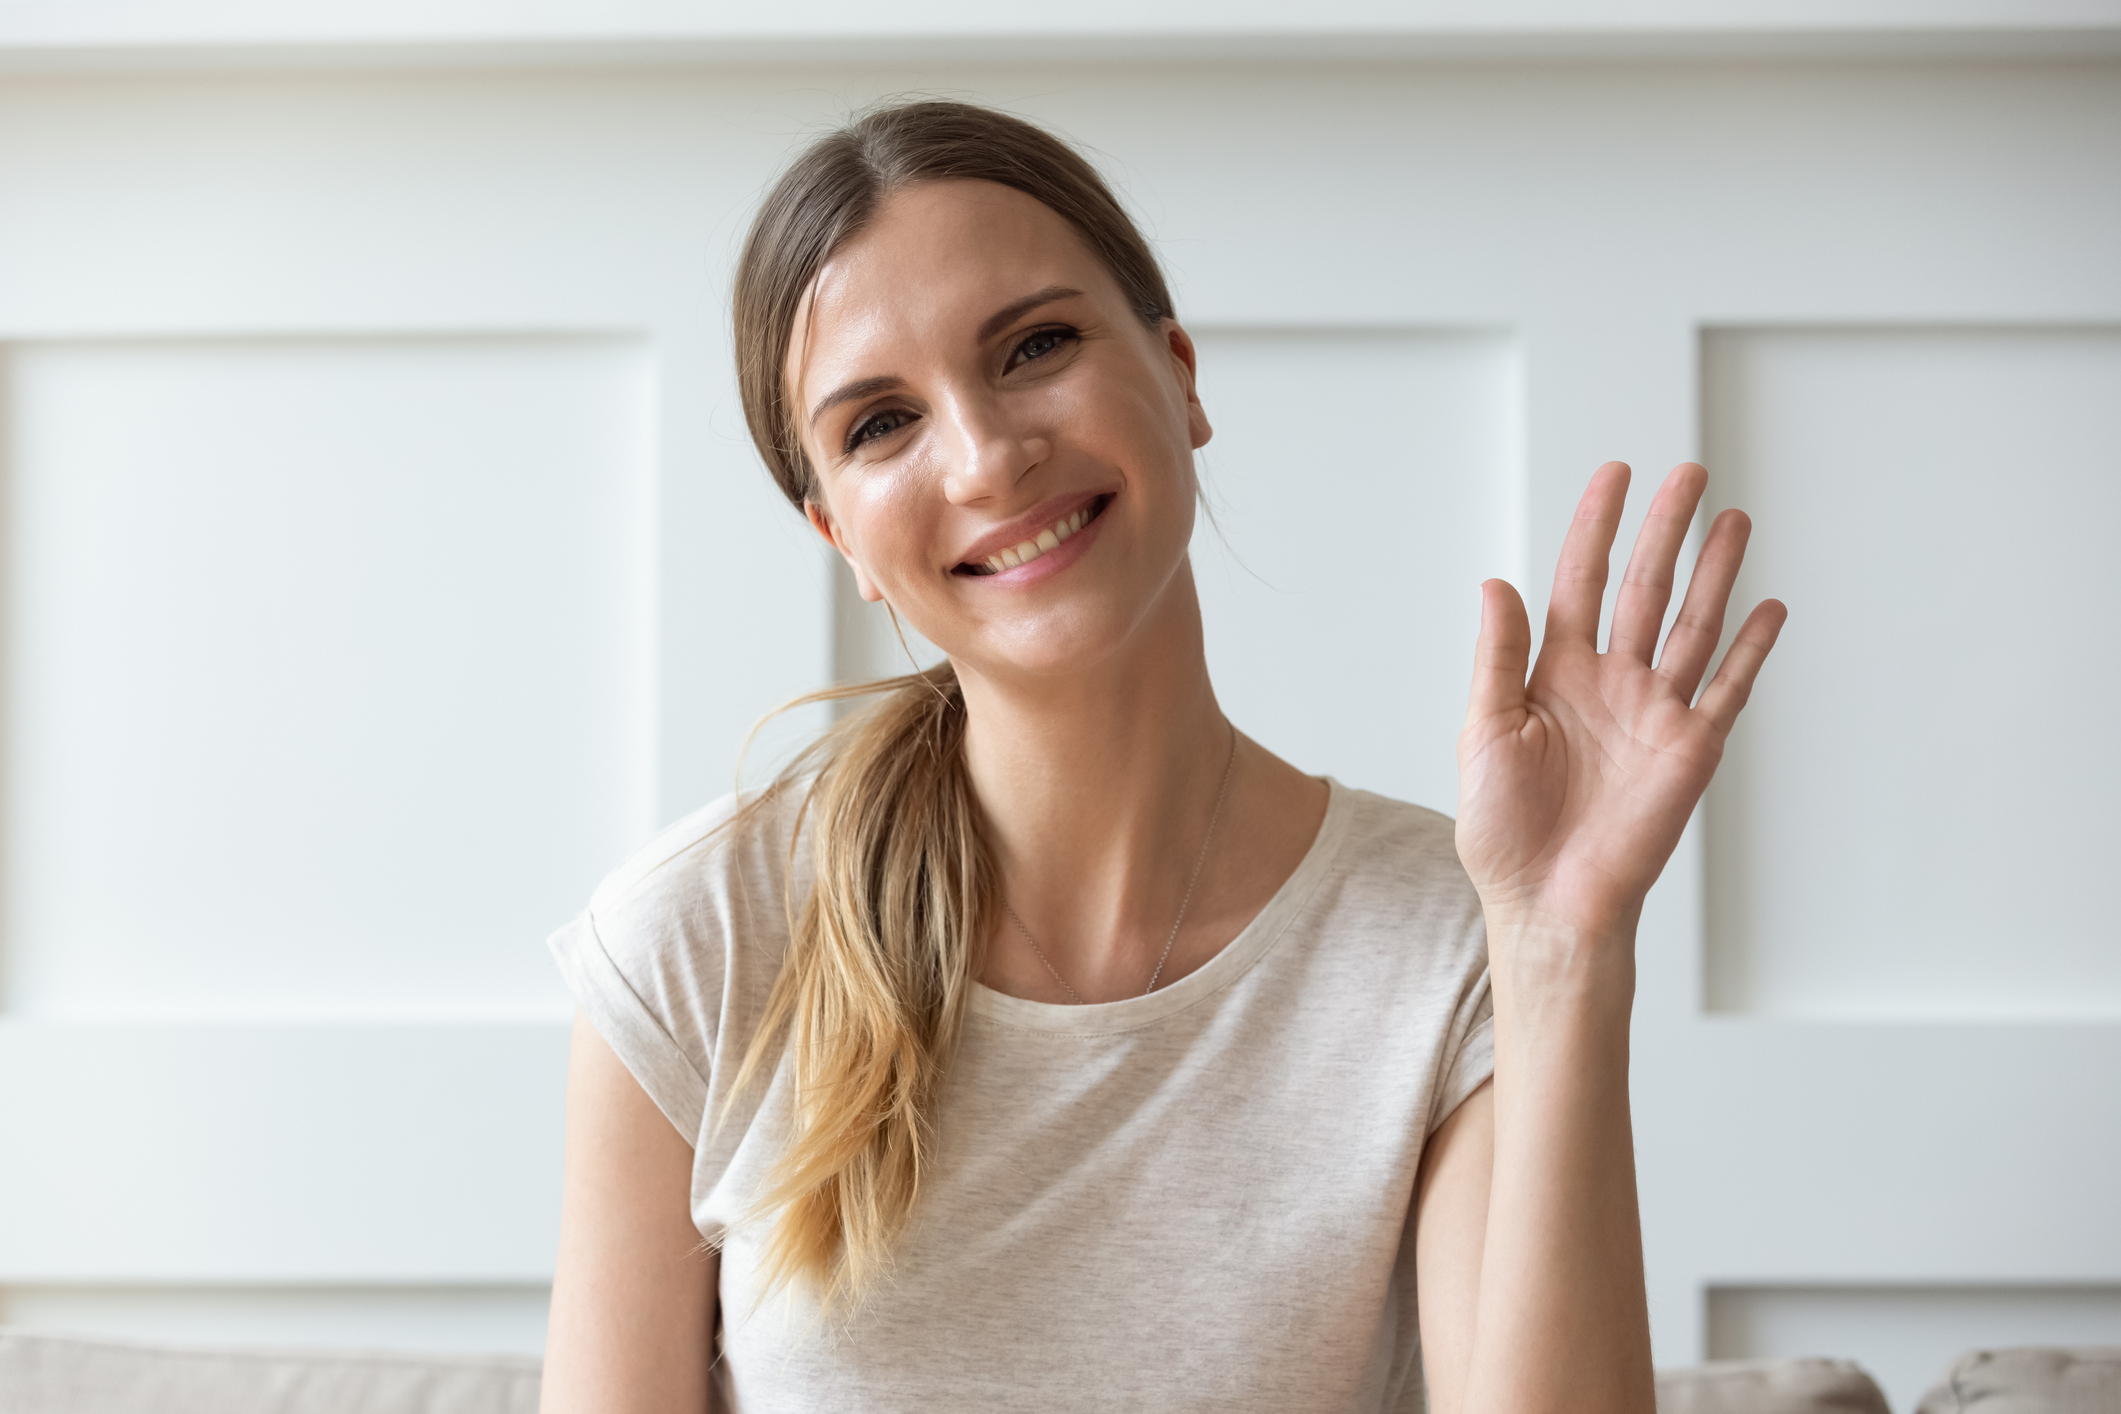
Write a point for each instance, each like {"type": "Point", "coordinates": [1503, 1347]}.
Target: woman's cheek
{"type": "Point", "coordinates": [1123, 421]}
{"type": "Point", "coordinates": [892, 502]}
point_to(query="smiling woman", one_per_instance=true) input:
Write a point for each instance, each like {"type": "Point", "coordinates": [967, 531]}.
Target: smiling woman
{"type": "Point", "coordinates": [1040, 1041]}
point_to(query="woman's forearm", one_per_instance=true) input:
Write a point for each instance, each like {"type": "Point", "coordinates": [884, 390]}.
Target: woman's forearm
{"type": "Point", "coordinates": [1563, 1321]}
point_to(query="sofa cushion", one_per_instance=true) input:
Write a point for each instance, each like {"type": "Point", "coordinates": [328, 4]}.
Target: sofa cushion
{"type": "Point", "coordinates": [2039, 1379]}
{"type": "Point", "coordinates": [1769, 1387]}
{"type": "Point", "coordinates": [43, 1374]}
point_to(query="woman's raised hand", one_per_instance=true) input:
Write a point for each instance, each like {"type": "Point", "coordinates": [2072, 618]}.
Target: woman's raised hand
{"type": "Point", "coordinates": [1575, 783]}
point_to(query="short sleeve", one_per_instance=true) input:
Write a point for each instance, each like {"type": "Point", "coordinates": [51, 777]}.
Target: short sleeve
{"type": "Point", "coordinates": [678, 948]}
{"type": "Point", "coordinates": [1473, 1059]}
{"type": "Point", "coordinates": [641, 1042]}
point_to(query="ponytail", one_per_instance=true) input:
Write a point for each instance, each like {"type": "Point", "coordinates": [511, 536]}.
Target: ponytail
{"type": "Point", "coordinates": [872, 993]}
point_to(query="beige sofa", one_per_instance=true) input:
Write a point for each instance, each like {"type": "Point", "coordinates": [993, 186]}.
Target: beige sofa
{"type": "Point", "coordinates": [45, 1374]}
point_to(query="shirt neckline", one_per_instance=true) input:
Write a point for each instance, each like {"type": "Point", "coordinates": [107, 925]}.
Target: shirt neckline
{"type": "Point", "coordinates": [1238, 955]}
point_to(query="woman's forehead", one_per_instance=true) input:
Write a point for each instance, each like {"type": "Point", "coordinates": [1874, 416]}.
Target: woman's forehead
{"type": "Point", "coordinates": [945, 230]}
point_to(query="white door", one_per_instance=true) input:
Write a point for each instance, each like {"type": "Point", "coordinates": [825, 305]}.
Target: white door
{"type": "Point", "coordinates": [385, 557]}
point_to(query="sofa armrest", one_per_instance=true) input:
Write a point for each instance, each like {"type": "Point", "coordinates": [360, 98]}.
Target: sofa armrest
{"type": "Point", "coordinates": [2030, 1380]}
{"type": "Point", "coordinates": [1804, 1386]}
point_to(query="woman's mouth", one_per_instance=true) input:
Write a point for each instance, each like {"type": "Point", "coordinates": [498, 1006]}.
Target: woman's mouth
{"type": "Point", "coordinates": [1050, 538]}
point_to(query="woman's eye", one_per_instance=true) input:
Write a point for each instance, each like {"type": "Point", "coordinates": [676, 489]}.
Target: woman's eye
{"type": "Point", "coordinates": [1041, 342]}
{"type": "Point", "coordinates": [877, 426]}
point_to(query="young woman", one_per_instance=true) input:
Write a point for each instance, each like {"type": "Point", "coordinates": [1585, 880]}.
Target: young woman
{"type": "Point", "coordinates": [1041, 1042]}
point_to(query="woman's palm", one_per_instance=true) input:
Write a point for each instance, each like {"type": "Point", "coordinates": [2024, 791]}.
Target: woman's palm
{"type": "Point", "coordinates": [1574, 785]}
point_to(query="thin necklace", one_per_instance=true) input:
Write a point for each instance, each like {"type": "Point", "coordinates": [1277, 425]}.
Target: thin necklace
{"type": "Point", "coordinates": [1222, 793]}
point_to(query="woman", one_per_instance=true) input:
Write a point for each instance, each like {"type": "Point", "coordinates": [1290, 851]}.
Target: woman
{"type": "Point", "coordinates": [1040, 1041]}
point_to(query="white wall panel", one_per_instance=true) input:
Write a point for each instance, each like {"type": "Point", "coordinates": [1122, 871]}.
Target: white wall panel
{"type": "Point", "coordinates": [1906, 1336]}
{"type": "Point", "coordinates": [388, 203]}
{"type": "Point", "coordinates": [306, 1155]}
{"type": "Point", "coordinates": [1916, 818]}
{"type": "Point", "coordinates": [328, 679]}
{"type": "Point", "coordinates": [1902, 1152]}
{"type": "Point", "coordinates": [1363, 484]}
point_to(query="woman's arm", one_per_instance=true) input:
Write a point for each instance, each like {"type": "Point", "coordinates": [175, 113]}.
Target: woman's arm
{"type": "Point", "coordinates": [1450, 1230]}
{"type": "Point", "coordinates": [1561, 1321]}
{"type": "Point", "coordinates": [633, 1297]}
{"type": "Point", "coordinates": [1564, 1225]}
{"type": "Point", "coordinates": [1574, 786]}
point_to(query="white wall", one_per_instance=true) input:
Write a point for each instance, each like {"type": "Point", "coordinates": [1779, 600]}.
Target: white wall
{"type": "Point", "coordinates": [402, 400]}
{"type": "Point", "coordinates": [1923, 841]}
{"type": "Point", "coordinates": [343, 646]}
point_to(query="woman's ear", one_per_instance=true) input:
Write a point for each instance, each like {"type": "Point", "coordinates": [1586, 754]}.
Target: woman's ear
{"type": "Point", "coordinates": [822, 524]}
{"type": "Point", "coordinates": [1181, 345]}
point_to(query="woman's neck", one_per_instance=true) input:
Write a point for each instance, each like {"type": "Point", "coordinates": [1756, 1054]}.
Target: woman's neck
{"type": "Point", "coordinates": [1098, 790]}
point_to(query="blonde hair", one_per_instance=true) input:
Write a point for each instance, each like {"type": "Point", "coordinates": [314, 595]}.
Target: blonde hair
{"type": "Point", "coordinates": [872, 993]}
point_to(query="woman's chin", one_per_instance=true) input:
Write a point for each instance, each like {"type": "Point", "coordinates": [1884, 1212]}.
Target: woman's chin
{"type": "Point", "coordinates": [1045, 651]}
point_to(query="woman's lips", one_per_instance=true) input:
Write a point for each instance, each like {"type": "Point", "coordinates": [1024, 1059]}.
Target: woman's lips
{"type": "Point", "coordinates": [1052, 550]}
{"type": "Point", "coordinates": [1019, 539]}
{"type": "Point", "coordinates": [1050, 537]}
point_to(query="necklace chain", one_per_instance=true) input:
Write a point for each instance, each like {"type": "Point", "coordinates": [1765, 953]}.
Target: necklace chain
{"type": "Point", "coordinates": [1222, 793]}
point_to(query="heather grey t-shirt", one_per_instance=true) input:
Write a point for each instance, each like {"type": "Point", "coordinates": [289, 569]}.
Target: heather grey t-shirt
{"type": "Point", "coordinates": [1200, 1199]}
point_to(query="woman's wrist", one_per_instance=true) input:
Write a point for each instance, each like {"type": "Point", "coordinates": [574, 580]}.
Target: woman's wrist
{"type": "Point", "coordinates": [1547, 967]}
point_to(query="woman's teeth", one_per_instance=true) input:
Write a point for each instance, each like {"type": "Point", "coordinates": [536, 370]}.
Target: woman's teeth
{"type": "Point", "coordinates": [1045, 540]}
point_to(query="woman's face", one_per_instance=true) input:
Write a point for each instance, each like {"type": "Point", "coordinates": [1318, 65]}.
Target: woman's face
{"type": "Point", "coordinates": [1004, 450]}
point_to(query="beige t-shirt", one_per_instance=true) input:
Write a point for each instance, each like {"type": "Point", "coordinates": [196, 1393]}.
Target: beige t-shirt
{"type": "Point", "coordinates": [1199, 1199]}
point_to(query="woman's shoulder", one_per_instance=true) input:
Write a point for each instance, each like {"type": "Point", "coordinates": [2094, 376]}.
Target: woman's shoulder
{"type": "Point", "coordinates": [1395, 871]}
{"type": "Point", "coordinates": [1403, 917]}
{"type": "Point", "coordinates": [681, 940]}
{"type": "Point", "coordinates": [1413, 843]}
{"type": "Point", "coordinates": [740, 842]}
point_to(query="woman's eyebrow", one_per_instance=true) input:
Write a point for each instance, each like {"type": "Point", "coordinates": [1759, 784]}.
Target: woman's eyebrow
{"type": "Point", "coordinates": [1008, 313]}
{"type": "Point", "coordinates": [849, 392]}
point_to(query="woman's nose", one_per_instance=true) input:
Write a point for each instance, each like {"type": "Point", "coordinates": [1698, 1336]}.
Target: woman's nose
{"type": "Point", "coordinates": [989, 453]}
